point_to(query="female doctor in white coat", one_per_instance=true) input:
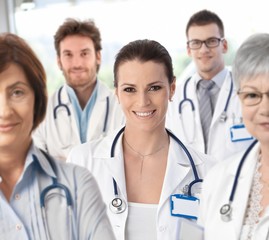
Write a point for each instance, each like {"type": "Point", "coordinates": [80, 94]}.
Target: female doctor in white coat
{"type": "Point", "coordinates": [235, 196]}
{"type": "Point", "coordinates": [141, 167]}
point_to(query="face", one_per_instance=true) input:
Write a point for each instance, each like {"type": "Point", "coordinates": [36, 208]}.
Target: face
{"type": "Point", "coordinates": [78, 61]}
{"type": "Point", "coordinates": [256, 118]}
{"type": "Point", "coordinates": [16, 108]}
{"type": "Point", "coordinates": [208, 61]}
{"type": "Point", "coordinates": [143, 92]}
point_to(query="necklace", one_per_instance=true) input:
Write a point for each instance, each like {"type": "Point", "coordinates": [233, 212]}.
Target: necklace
{"type": "Point", "coordinates": [142, 156]}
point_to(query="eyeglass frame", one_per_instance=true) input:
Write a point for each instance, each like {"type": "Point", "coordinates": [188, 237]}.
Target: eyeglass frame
{"type": "Point", "coordinates": [259, 94]}
{"type": "Point", "coordinates": [205, 42]}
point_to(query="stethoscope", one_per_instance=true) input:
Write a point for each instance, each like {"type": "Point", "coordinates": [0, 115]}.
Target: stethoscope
{"type": "Point", "coordinates": [67, 109]}
{"type": "Point", "coordinates": [44, 193]}
{"type": "Point", "coordinates": [118, 205]}
{"type": "Point", "coordinates": [223, 116]}
{"type": "Point", "coordinates": [226, 209]}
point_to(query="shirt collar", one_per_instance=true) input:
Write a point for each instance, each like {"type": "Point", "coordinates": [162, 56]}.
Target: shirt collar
{"type": "Point", "coordinates": [36, 156]}
{"type": "Point", "coordinates": [218, 79]}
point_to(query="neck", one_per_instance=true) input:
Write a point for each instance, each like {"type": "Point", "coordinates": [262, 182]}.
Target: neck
{"type": "Point", "coordinates": [145, 143]}
{"type": "Point", "coordinates": [265, 155]}
{"type": "Point", "coordinates": [12, 161]}
{"type": "Point", "coordinates": [84, 93]}
{"type": "Point", "coordinates": [208, 75]}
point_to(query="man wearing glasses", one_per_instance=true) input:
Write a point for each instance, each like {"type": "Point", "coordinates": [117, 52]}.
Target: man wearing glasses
{"type": "Point", "coordinates": [205, 111]}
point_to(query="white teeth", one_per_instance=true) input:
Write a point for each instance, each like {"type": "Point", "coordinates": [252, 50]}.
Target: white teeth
{"type": "Point", "coordinates": [143, 114]}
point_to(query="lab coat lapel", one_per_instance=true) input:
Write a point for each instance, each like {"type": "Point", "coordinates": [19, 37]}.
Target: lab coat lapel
{"type": "Point", "coordinates": [99, 111]}
{"type": "Point", "coordinates": [222, 98]}
{"type": "Point", "coordinates": [115, 166]}
{"type": "Point", "coordinates": [178, 167]}
{"type": "Point", "coordinates": [74, 128]}
{"type": "Point", "coordinates": [240, 202]}
{"type": "Point", "coordinates": [190, 120]}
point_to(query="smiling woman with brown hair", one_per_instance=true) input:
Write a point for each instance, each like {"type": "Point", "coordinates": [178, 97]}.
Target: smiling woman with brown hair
{"type": "Point", "coordinates": [143, 170]}
{"type": "Point", "coordinates": [40, 198]}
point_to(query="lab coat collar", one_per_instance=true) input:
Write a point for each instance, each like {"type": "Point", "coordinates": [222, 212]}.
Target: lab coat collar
{"type": "Point", "coordinates": [42, 161]}
{"type": "Point", "coordinates": [102, 91]}
{"type": "Point", "coordinates": [114, 165]}
{"type": "Point", "coordinates": [240, 202]}
{"type": "Point", "coordinates": [222, 98]}
{"type": "Point", "coordinates": [178, 168]}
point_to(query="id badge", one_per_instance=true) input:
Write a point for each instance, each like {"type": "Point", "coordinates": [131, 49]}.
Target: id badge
{"type": "Point", "coordinates": [184, 206]}
{"type": "Point", "coordinates": [239, 133]}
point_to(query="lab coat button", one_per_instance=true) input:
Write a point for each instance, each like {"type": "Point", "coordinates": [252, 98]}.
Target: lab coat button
{"type": "Point", "coordinates": [162, 228]}
{"type": "Point", "coordinates": [18, 227]}
{"type": "Point", "coordinates": [17, 197]}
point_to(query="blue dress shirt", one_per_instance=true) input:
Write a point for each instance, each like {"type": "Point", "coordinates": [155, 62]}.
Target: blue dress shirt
{"type": "Point", "coordinates": [21, 217]}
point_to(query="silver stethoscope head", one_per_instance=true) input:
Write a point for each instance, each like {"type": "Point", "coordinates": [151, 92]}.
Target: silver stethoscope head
{"type": "Point", "coordinates": [223, 117]}
{"type": "Point", "coordinates": [226, 212]}
{"type": "Point", "coordinates": [117, 205]}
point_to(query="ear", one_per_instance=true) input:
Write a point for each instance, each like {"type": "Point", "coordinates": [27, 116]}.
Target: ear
{"type": "Point", "coordinates": [225, 46]}
{"type": "Point", "coordinates": [98, 57]}
{"type": "Point", "coordinates": [188, 51]}
{"type": "Point", "coordinates": [172, 89]}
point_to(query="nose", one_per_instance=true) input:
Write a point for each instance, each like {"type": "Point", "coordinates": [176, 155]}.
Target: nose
{"type": "Point", "coordinates": [264, 104]}
{"type": "Point", "coordinates": [143, 99]}
{"type": "Point", "coordinates": [5, 107]}
{"type": "Point", "coordinates": [77, 61]}
{"type": "Point", "coordinates": [204, 47]}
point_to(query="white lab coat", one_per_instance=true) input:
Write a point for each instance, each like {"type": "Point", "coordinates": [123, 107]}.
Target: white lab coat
{"type": "Point", "coordinates": [95, 156]}
{"type": "Point", "coordinates": [188, 126]}
{"type": "Point", "coordinates": [57, 137]}
{"type": "Point", "coordinates": [217, 188]}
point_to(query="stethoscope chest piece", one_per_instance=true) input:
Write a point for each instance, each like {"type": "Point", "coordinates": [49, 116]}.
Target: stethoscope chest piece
{"type": "Point", "coordinates": [117, 205]}
{"type": "Point", "coordinates": [226, 212]}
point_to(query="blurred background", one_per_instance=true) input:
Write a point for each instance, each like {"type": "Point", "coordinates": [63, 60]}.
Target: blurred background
{"type": "Point", "coordinates": [122, 21]}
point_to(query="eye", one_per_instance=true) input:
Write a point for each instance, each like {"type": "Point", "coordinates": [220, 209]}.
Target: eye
{"type": "Point", "coordinates": [252, 95]}
{"type": "Point", "coordinates": [17, 93]}
{"type": "Point", "coordinates": [86, 53]}
{"type": "Point", "coordinates": [195, 42]}
{"type": "Point", "coordinates": [129, 89]}
{"type": "Point", "coordinates": [67, 54]}
{"type": "Point", "coordinates": [154, 88]}
{"type": "Point", "coordinates": [212, 40]}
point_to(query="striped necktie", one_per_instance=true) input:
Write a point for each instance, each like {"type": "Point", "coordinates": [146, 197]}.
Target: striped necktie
{"type": "Point", "coordinates": [205, 107]}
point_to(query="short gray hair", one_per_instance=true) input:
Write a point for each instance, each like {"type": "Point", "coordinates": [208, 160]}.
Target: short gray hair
{"type": "Point", "coordinates": [252, 58]}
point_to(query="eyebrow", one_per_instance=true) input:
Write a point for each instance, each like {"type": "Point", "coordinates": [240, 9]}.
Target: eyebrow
{"type": "Point", "coordinates": [148, 85]}
{"type": "Point", "coordinates": [19, 83]}
{"type": "Point", "coordinates": [82, 50]}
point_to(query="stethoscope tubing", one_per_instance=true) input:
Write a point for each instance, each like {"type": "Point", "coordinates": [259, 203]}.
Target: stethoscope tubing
{"type": "Point", "coordinates": [65, 106]}
{"type": "Point", "coordinates": [238, 171]}
{"type": "Point", "coordinates": [194, 170]}
{"type": "Point", "coordinates": [186, 99]}
{"type": "Point", "coordinates": [46, 190]}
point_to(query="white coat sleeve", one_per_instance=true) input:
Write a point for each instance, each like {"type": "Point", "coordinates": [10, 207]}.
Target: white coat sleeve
{"type": "Point", "coordinates": [92, 220]}
{"type": "Point", "coordinates": [39, 136]}
{"type": "Point", "coordinates": [79, 155]}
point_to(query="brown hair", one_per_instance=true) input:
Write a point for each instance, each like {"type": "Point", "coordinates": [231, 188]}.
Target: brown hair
{"type": "Point", "coordinates": [14, 49]}
{"type": "Point", "coordinates": [144, 50]}
{"type": "Point", "coordinates": [205, 17]}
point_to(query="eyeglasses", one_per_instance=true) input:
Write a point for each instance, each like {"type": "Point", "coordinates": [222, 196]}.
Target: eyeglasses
{"type": "Point", "coordinates": [251, 98]}
{"type": "Point", "coordinates": [210, 43]}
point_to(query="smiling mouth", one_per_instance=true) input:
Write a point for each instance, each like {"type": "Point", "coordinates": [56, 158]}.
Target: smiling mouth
{"type": "Point", "coordinates": [144, 114]}
{"type": "Point", "coordinates": [6, 128]}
